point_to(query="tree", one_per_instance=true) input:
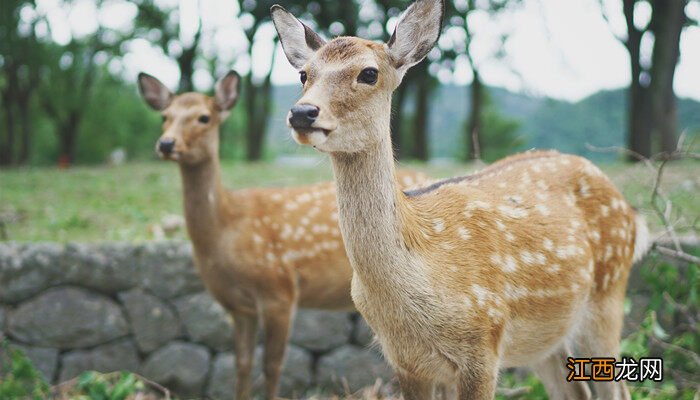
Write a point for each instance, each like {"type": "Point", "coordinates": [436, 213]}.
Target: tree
{"type": "Point", "coordinates": [21, 55]}
{"type": "Point", "coordinates": [651, 98]}
{"type": "Point", "coordinates": [153, 16]}
{"type": "Point", "coordinates": [459, 12]}
{"type": "Point", "coordinates": [67, 85]}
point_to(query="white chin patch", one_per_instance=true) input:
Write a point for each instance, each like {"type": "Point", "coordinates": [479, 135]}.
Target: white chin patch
{"type": "Point", "coordinates": [313, 138]}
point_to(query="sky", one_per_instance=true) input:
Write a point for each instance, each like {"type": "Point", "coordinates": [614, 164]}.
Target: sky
{"type": "Point", "coordinates": [563, 49]}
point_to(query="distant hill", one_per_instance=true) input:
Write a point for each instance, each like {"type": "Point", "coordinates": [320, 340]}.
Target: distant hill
{"type": "Point", "coordinates": [599, 120]}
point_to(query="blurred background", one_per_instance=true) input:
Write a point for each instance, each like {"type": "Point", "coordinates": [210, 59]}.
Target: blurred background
{"type": "Point", "coordinates": [87, 281]}
{"type": "Point", "coordinates": [507, 74]}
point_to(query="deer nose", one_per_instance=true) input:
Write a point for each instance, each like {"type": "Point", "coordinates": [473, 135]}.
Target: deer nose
{"type": "Point", "coordinates": [166, 145]}
{"type": "Point", "coordinates": [303, 115]}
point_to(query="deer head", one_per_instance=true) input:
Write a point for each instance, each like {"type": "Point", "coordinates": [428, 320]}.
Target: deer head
{"type": "Point", "coordinates": [191, 120]}
{"type": "Point", "coordinates": [348, 81]}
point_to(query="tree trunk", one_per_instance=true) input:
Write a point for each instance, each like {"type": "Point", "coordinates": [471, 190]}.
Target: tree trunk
{"type": "Point", "coordinates": [667, 24]}
{"type": "Point", "coordinates": [8, 139]}
{"type": "Point", "coordinates": [68, 135]}
{"type": "Point", "coordinates": [26, 131]}
{"type": "Point", "coordinates": [639, 117]}
{"type": "Point", "coordinates": [474, 129]}
{"type": "Point", "coordinates": [258, 100]}
{"type": "Point", "coordinates": [397, 119]}
{"type": "Point", "coordinates": [422, 115]}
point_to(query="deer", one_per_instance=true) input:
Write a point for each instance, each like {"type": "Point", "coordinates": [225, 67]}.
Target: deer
{"type": "Point", "coordinates": [261, 252]}
{"type": "Point", "coordinates": [515, 265]}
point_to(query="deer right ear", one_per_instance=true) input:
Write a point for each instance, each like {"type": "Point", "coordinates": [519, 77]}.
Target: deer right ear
{"type": "Point", "coordinates": [154, 92]}
{"type": "Point", "coordinates": [298, 40]}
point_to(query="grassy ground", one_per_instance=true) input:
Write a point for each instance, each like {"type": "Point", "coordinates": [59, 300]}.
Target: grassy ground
{"type": "Point", "coordinates": [128, 202]}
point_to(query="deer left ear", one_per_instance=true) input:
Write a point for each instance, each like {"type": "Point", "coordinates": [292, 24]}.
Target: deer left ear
{"type": "Point", "coordinates": [416, 33]}
{"type": "Point", "coordinates": [226, 92]}
{"type": "Point", "coordinates": [298, 40]}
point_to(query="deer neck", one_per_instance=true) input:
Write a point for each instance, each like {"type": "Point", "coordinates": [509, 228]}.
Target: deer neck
{"type": "Point", "coordinates": [370, 209]}
{"type": "Point", "coordinates": [203, 199]}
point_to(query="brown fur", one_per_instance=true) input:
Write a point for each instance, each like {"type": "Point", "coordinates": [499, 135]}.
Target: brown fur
{"type": "Point", "coordinates": [260, 252]}
{"type": "Point", "coordinates": [511, 266]}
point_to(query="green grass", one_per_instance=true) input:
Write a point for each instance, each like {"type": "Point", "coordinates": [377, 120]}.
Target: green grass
{"type": "Point", "coordinates": [90, 204]}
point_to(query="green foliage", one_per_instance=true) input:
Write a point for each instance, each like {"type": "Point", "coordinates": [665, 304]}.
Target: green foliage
{"type": "Point", "coordinates": [97, 386]}
{"type": "Point", "coordinates": [18, 377]}
{"type": "Point", "coordinates": [669, 329]}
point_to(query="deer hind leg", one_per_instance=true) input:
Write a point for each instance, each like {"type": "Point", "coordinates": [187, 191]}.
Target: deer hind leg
{"type": "Point", "coordinates": [244, 346]}
{"type": "Point", "coordinates": [552, 372]}
{"type": "Point", "coordinates": [276, 320]}
{"type": "Point", "coordinates": [600, 337]}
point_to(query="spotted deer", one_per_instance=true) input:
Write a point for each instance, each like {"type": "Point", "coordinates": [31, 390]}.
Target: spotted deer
{"type": "Point", "coordinates": [260, 252]}
{"type": "Point", "coordinates": [510, 266]}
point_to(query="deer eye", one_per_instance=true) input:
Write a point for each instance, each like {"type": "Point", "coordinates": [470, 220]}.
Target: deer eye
{"type": "Point", "coordinates": [368, 76]}
{"type": "Point", "coordinates": [302, 77]}
{"type": "Point", "coordinates": [204, 119]}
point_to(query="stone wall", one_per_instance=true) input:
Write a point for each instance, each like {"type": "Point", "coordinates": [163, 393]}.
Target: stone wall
{"type": "Point", "coordinates": [142, 308]}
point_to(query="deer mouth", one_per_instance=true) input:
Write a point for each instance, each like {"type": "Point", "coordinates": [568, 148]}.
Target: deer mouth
{"type": "Point", "coordinates": [311, 136]}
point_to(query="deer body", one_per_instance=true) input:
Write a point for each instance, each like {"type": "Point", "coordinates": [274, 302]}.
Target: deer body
{"type": "Point", "coordinates": [261, 253]}
{"type": "Point", "coordinates": [512, 266]}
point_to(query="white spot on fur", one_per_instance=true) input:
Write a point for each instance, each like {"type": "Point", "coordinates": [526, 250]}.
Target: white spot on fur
{"type": "Point", "coordinates": [510, 237]}
{"type": "Point", "coordinates": [500, 226]}
{"type": "Point", "coordinates": [604, 210]}
{"type": "Point", "coordinates": [585, 188]}
{"type": "Point", "coordinates": [303, 198]}
{"type": "Point", "coordinates": [543, 209]}
{"type": "Point", "coordinates": [464, 233]}
{"type": "Point", "coordinates": [478, 204]}
{"type": "Point", "coordinates": [553, 268]}
{"type": "Point", "coordinates": [541, 184]}
{"type": "Point", "coordinates": [257, 238]}
{"type": "Point", "coordinates": [548, 244]}
{"type": "Point", "coordinates": [438, 225]}
{"type": "Point", "coordinates": [507, 263]}
{"type": "Point", "coordinates": [512, 212]}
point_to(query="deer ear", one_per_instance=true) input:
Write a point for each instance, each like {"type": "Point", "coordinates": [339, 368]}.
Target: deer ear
{"type": "Point", "coordinates": [154, 92]}
{"type": "Point", "coordinates": [416, 33]}
{"type": "Point", "coordinates": [298, 40]}
{"type": "Point", "coordinates": [227, 90]}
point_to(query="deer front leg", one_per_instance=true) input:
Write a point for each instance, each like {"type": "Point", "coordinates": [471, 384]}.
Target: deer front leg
{"type": "Point", "coordinates": [414, 388]}
{"type": "Point", "coordinates": [276, 320]}
{"type": "Point", "coordinates": [244, 346]}
{"type": "Point", "coordinates": [478, 381]}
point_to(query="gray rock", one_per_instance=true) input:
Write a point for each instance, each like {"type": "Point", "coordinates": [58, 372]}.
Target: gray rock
{"type": "Point", "coordinates": [153, 322]}
{"type": "Point", "coordinates": [352, 365]}
{"type": "Point", "coordinates": [205, 321]}
{"type": "Point", "coordinates": [107, 268]}
{"type": "Point", "coordinates": [67, 318]}
{"type": "Point", "coordinates": [296, 372]}
{"type": "Point", "coordinates": [223, 376]}
{"type": "Point", "coordinates": [181, 367]}
{"type": "Point", "coordinates": [362, 334]}
{"type": "Point", "coordinates": [167, 269]}
{"type": "Point", "coordinates": [45, 360]}
{"type": "Point", "coordinates": [318, 330]}
{"type": "Point", "coordinates": [121, 355]}
{"type": "Point", "coordinates": [296, 376]}
{"type": "Point", "coordinates": [26, 270]}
